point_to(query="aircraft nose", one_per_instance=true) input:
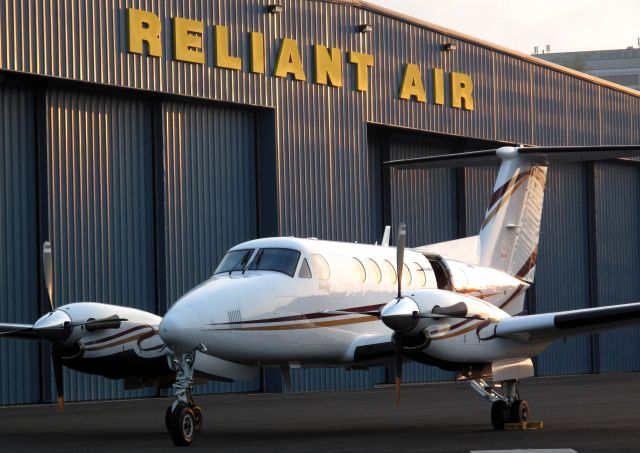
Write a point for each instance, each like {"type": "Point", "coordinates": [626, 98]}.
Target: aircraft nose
{"type": "Point", "coordinates": [181, 329]}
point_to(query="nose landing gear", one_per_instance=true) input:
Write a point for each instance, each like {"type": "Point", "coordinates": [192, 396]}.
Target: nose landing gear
{"type": "Point", "coordinates": [183, 418]}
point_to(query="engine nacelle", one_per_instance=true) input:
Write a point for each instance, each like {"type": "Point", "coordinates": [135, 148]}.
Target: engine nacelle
{"type": "Point", "coordinates": [445, 308]}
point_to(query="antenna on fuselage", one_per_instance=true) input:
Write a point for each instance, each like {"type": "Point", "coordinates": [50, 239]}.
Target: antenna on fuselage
{"type": "Point", "coordinates": [386, 236]}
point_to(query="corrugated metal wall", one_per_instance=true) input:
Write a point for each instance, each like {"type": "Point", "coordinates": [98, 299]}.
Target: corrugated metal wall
{"type": "Point", "coordinates": [209, 203]}
{"type": "Point", "coordinates": [100, 189]}
{"type": "Point", "coordinates": [19, 297]}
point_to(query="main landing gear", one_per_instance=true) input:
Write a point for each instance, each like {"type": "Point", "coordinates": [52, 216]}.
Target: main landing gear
{"type": "Point", "coordinates": [507, 406]}
{"type": "Point", "coordinates": [183, 418]}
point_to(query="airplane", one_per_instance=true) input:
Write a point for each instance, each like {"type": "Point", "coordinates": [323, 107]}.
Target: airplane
{"type": "Point", "coordinates": [296, 302]}
{"type": "Point", "coordinates": [457, 305]}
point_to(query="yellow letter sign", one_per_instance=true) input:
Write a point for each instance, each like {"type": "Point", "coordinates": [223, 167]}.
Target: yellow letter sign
{"type": "Point", "coordinates": [461, 89]}
{"type": "Point", "coordinates": [363, 62]}
{"type": "Point", "coordinates": [412, 84]}
{"type": "Point", "coordinates": [143, 26]}
{"type": "Point", "coordinates": [187, 40]}
{"type": "Point", "coordinates": [328, 66]}
{"type": "Point", "coordinates": [289, 61]}
{"type": "Point", "coordinates": [223, 59]}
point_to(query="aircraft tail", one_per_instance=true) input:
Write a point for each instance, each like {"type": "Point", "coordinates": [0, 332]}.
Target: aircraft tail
{"type": "Point", "coordinates": [511, 228]}
{"type": "Point", "coordinates": [510, 231]}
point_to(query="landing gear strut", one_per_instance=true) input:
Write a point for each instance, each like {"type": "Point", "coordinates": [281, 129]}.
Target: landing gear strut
{"type": "Point", "coordinates": [507, 406]}
{"type": "Point", "coordinates": [183, 418]}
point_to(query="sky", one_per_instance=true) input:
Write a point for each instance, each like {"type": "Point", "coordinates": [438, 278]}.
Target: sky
{"type": "Point", "coordinates": [565, 25]}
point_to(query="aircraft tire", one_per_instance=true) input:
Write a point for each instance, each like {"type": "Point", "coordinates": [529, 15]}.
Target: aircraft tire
{"type": "Point", "coordinates": [182, 426]}
{"type": "Point", "coordinates": [197, 412]}
{"type": "Point", "coordinates": [500, 414]}
{"type": "Point", "coordinates": [520, 411]}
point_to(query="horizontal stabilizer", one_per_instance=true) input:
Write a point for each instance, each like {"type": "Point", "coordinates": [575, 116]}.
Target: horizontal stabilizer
{"type": "Point", "coordinates": [537, 154]}
{"type": "Point", "coordinates": [550, 326]}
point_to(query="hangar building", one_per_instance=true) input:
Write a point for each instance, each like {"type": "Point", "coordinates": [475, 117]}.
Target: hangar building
{"type": "Point", "coordinates": [144, 138]}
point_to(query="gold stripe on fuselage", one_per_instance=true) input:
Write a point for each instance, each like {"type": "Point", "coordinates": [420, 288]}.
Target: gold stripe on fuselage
{"type": "Point", "coordinates": [306, 325]}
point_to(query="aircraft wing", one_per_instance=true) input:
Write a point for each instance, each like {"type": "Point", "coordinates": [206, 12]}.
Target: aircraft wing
{"type": "Point", "coordinates": [17, 331]}
{"type": "Point", "coordinates": [551, 326]}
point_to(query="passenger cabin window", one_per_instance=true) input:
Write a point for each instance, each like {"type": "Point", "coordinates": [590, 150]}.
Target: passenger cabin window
{"type": "Point", "coordinates": [374, 271]}
{"type": "Point", "coordinates": [406, 276]}
{"type": "Point", "coordinates": [235, 260]}
{"type": "Point", "coordinates": [389, 272]}
{"type": "Point", "coordinates": [358, 268]}
{"type": "Point", "coordinates": [305, 272]}
{"type": "Point", "coordinates": [421, 276]}
{"type": "Point", "coordinates": [320, 267]}
{"type": "Point", "coordinates": [276, 259]}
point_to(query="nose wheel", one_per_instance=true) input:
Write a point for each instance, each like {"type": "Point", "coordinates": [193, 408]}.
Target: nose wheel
{"type": "Point", "coordinates": [183, 418]}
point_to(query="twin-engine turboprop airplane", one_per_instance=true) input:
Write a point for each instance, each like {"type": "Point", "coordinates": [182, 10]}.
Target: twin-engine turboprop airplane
{"type": "Point", "coordinates": [457, 305]}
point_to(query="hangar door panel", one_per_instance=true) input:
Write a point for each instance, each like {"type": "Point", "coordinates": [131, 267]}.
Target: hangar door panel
{"type": "Point", "coordinates": [562, 272]}
{"type": "Point", "coordinates": [209, 179]}
{"type": "Point", "coordinates": [423, 199]}
{"type": "Point", "coordinates": [19, 363]}
{"type": "Point", "coordinates": [100, 193]}
{"type": "Point", "coordinates": [617, 189]}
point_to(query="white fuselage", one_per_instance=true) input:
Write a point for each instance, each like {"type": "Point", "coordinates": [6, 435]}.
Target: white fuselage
{"type": "Point", "coordinates": [256, 315]}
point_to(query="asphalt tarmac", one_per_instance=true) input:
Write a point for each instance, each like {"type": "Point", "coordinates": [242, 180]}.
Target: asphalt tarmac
{"type": "Point", "coordinates": [592, 413]}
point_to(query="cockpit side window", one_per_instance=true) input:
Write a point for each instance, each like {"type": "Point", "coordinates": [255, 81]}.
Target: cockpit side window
{"type": "Point", "coordinates": [305, 272]}
{"type": "Point", "coordinates": [235, 260]}
{"type": "Point", "coordinates": [276, 259]}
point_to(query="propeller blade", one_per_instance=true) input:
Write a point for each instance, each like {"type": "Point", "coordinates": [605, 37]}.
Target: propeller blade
{"type": "Point", "coordinates": [375, 313]}
{"type": "Point", "coordinates": [47, 265]}
{"type": "Point", "coordinates": [402, 236]}
{"type": "Point", "coordinates": [58, 374]}
{"type": "Point", "coordinates": [398, 343]}
{"type": "Point", "coordinates": [17, 330]}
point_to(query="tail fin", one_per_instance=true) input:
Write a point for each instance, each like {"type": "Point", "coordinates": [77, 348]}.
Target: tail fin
{"type": "Point", "coordinates": [510, 232]}
{"type": "Point", "coordinates": [511, 229]}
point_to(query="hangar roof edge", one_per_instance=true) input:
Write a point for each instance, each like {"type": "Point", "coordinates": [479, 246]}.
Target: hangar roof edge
{"type": "Point", "coordinates": [496, 47]}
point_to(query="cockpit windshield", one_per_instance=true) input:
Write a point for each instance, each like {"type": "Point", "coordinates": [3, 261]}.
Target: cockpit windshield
{"type": "Point", "coordinates": [236, 260]}
{"type": "Point", "coordinates": [276, 259]}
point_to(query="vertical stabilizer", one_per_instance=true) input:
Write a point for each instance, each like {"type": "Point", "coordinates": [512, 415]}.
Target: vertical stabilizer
{"type": "Point", "coordinates": [511, 228]}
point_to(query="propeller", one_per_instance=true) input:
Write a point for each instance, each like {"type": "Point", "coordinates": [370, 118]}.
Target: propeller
{"type": "Point", "coordinates": [395, 315]}
{"type": "Point", "coordinates": [56, 359]}
{"type": "Point", "coordinates": [56, 326]}
{"type": "Point", "coordinates": [402, 236]}
{"type": "Point", "coordinates": [47, 266]}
